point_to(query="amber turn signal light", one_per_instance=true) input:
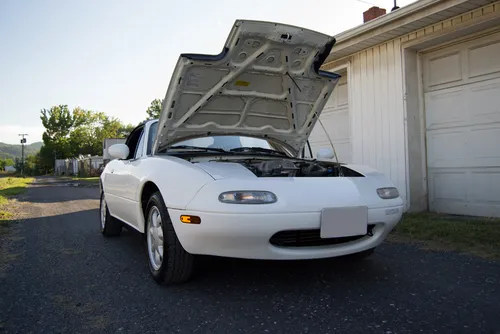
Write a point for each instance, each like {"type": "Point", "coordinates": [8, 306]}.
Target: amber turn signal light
{"type": "Point", "coordinates": [186, 219]}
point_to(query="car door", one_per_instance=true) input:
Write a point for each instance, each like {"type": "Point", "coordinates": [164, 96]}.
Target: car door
{"type": "Point", "coordinates": [122, 180]}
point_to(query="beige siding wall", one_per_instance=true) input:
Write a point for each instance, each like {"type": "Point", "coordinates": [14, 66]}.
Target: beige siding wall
{"type": "Point", "coordinates": [377, 117]}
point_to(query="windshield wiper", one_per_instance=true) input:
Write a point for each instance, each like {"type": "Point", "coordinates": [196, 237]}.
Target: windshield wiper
{"type": "Point", "coordinates": [257, 149]}
{"type": "Point", "coordinates": [206, 149]}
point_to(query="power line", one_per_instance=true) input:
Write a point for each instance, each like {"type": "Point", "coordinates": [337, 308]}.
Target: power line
{"type": "Point", "coordinates": [367, 2]}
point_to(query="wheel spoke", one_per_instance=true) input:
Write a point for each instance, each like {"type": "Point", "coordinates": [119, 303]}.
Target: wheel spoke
{"type": "Point", "coordinates": [103, 213]}
{"type": "Point", "coordinates": [155, 236]}
{"type": "Point", "coordinates": [154, 217]}
{"type": "Point", "coordinates": [160, 252]}
{"type": "Point", "coordinates": [157, 257]}
{"type": "Point", "coordinates": [152, 235]}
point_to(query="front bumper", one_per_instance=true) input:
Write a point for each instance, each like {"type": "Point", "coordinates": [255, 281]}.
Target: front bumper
{"type": "Point", "coordinates": [248, 235]}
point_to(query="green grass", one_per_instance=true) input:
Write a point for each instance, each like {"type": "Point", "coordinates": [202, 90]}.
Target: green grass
{"type": "Point", "coordinates": [4, 215]}
{"type": "Point", "coordinates": [476, 235]}
{"type": "Point", "coordinates": [11, 186]}
{"type": "Point", "coordinates": [92, 179]}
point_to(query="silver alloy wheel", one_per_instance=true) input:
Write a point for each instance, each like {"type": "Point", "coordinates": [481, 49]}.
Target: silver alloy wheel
{"type": "Point", "coordinates": [103, 212]}
{"type": "Point", "coordinates": [155, 238]}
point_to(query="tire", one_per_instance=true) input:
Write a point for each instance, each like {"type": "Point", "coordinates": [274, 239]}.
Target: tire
{"type": "Point", "coordinates": [110, 226]}
{"type": "Point", "coordinates": [169, 263]}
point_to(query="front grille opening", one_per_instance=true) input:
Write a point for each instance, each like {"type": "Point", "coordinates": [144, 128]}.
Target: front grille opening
{"type": "Point", "coordinates": [310, 238]}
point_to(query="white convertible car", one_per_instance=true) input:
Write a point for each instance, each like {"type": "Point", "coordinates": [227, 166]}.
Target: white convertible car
{"type": "Point", "coordinates": [224, 170]}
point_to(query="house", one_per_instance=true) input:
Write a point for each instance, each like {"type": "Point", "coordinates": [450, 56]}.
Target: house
{"type": "Point", "coordinates": [420, 101]}
{"type": "Point", "coordinates": [83, 165]}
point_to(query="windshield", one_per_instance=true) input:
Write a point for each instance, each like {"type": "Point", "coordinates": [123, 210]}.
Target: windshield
{"type": "Point", "coordinates": [226, 143]}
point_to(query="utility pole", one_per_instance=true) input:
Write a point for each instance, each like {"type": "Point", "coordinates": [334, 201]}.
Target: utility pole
{"type": "Point", "coordinates": [23, 141]}
{"type": "Point", "coordinates": [55, 162]}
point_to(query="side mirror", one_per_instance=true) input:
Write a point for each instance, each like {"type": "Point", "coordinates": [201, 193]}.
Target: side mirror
{"type": "Point", "coordinates": [118, 151]}
{"type": "Point", "coordinates": [325, 153]}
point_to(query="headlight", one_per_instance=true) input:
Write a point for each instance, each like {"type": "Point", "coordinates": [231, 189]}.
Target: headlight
{"type": "Point", "coordinates": [248, 197]}
{"type": "Point", "coordinates": [387, 193]}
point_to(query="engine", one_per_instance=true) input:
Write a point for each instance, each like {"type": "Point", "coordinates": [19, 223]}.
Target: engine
{"type": "Point", "coordinates": [291, 168]}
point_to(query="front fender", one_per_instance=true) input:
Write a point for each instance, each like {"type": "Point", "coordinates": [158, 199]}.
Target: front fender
{"type": "Point", "coordinates": [372, 173]}
{"type": "Point", "coordinates": [177, 180]}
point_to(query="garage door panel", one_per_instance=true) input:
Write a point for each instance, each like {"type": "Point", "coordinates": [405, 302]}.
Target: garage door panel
{"type": "Point", "coordinates": [463, 127]}
{"type": "Point", "coordinates": [467, 209]}
{"type": "Point", "coordinates": [335, 124]}
{"type": "Point", "coordinates": [484, 100]}
{"type": "Point", "coordinates": [481, 61]}
{"type": "Point", "coordinates": [476, 103]}
{"type": "Point", "coordinates": [476, 146]}
{"type": "Point", "coordinates": [485, 186]}
{"type": "Point", "coordinates": [448, 185]}
{"type": "Point", "coordinates": [442, 109]}
{"type": "Point", "coordinates": [342, 95]}
{"type": "Point", "coordinates": [444, 69]}
{"type": "Point", "coordinates": [467, 192]}
{"type": "Point", "coordinates": [335, 119]}
{"type": "Point", "coordinates": [483, 145]}
{"type": "Point", "coordinates": [446, 149]}
{"type": "Point", "coordinates": [339, 97]}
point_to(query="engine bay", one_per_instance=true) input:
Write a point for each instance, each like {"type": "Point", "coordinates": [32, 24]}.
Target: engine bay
{"type": "Point", "coordinates": [294, 168]}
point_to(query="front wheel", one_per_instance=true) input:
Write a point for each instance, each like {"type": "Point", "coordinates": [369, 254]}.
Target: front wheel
{"type": "Point", "coordinates": [110, 226]}
{"type": "Point", "coordinates": [168, 260]}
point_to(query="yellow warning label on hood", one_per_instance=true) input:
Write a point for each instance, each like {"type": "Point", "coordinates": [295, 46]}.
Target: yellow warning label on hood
{"type": "Point", "coordinates": [242, 83]}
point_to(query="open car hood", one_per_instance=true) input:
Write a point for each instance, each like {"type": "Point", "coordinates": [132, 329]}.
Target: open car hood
{"type": "Point", "coordinates": [266, 83]}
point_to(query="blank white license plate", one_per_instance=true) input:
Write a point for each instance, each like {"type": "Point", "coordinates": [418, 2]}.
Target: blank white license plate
{"type": "Point", "coordinates": [344, 222]}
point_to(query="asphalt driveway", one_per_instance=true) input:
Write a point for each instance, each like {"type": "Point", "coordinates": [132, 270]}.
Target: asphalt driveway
{"type": "Point", "coordinates": [65, 277]}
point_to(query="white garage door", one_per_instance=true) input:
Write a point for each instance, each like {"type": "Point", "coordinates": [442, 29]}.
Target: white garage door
{"type": "Point", "coordinates": [335, 119]}
{"type": "Point", "coordinates": [462, 104]}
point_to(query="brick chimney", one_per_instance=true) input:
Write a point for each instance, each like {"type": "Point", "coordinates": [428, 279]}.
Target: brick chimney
{"type": "Point", "coordinates": [373, 13]}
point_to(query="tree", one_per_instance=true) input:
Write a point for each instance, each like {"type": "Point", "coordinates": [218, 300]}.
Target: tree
{"type": "Point", "coordinates": [46, 158]}
{"type": "Point", "coordinates": [6, 162]}
{"type": "Point", "coordinates": [125, 130]}
{"type": "Point", "coordinates": [58, 122]}
{"type": "Point", "coordinates": [90, 130]}
{"type": "Point", "coordinates": [69, 134]}
{"type": "Point", "coordinates": [9, 162]}
{"type": "Point", "coordinates": [154, 109]}
{"type": "Point", "coordinates": [85, 136]}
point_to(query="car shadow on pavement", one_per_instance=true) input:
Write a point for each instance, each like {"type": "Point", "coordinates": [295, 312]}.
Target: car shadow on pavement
{"type": "Point", "coordinates": [68, 252]}
{"type": "Point", "coordinates": [213, 271]}
{"type": "Point", "coordinates": [79, 233]}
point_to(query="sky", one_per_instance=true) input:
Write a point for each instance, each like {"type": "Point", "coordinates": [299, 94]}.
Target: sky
{"type": "Point", "coordinates": [116, 56]}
